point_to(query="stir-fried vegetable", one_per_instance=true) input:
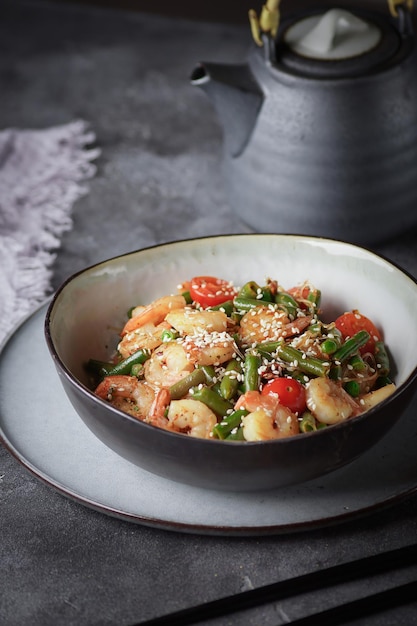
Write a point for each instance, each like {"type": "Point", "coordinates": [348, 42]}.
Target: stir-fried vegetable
{"type": "Point", "coordinates": [246, 364]}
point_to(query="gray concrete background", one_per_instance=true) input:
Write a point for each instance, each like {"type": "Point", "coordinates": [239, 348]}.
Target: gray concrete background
{"type": "Point", "coordinates": [159, 178]}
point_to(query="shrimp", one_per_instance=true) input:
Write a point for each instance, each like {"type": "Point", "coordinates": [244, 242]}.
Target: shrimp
{"type": "Point", "coordinates": [128, 394]}
{"type": "Point", "coordinates": [155, 312]}
{"type": "Point", "coordinates": [265, 323]}
{"type": "Point", "coordinates": [267, 418]}
{"type": "Point", "coordinates": [146, 337]}
{"type": "Point", "coordinates": [192, 417]}
{"type": "Point", "coordinates": [369, 400]}
{"type": "Point", "coordinates": [329, 402]}
{"type": "Point", "coordinates": [204, 335]}
{"type": "Point", "coordinates": [167, 365]}
{"type": "Point", "coordinates": [137, 398]}
{"type": "Point", "coordinates": [190, 321]}
{"type": "Point", "coordinates": [156, 415]}
{"type": "Point", "coordinates": [206, 348]}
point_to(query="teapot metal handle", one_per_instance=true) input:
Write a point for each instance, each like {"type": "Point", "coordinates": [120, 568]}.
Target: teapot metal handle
{"type": "Point", "coordinates": [267, 23]}
{"type": "Point", "coordinates": [392, 5]}
{"type": "Point", "coordinates": [401, 11]}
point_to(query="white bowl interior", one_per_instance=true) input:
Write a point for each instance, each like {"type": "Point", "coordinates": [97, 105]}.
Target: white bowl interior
{"type": "Point", "coordinates": [91, 308]}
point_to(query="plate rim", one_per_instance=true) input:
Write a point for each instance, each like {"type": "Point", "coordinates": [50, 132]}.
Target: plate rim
{"type": "Point", "coordinates": [172, 525]}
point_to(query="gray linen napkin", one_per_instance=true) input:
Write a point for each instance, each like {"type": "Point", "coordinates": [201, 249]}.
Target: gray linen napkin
{"type": "Point", "coordinates": [42, 174]}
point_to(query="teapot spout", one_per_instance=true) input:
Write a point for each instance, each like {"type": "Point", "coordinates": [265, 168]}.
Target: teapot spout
{"type": "Point", "coordinates": [236, 97]}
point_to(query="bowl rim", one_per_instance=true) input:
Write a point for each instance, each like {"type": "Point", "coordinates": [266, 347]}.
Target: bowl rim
{"type": "Point", "coordinates": [84, 390]}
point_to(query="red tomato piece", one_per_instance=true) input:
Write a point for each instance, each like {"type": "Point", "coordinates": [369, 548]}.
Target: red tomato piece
{"type": "Point", "coordinates": [352, 322]}
{"type": "Point", "coordinates": [301, 291]}
{"type": "Point", "coordinates": [291, 393]}
{"type": "Point", "coordinates": [211, 291]}
{"type": "Point", "coordinates": [304, 292]}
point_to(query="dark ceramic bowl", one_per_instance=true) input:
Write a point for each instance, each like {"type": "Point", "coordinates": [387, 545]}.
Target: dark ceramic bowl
{"type": "Point", "coordinates": [87, 311]}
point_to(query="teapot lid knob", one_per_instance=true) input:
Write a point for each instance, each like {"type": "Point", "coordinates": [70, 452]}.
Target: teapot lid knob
{"type": "Point", "coordinates": [334, 35]}
{"type": "Point", "coordinates": [337, 43]}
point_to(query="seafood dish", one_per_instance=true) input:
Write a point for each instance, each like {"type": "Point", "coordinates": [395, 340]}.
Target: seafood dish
{"type": "Point", "coordinates": [250, 363]}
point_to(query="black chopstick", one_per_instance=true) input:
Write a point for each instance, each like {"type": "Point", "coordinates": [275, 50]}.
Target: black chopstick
{"type": "Point", "coordinates": [330, 576]}
{"type": "Point", "coordinates": [362, 607]}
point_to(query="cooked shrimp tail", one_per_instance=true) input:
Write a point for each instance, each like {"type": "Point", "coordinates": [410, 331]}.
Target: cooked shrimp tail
{"type": "Point", "coordinates": [154, 313]}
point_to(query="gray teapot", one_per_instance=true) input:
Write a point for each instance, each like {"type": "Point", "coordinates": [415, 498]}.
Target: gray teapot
{"type": "Point", "coordinates": [320, 123]}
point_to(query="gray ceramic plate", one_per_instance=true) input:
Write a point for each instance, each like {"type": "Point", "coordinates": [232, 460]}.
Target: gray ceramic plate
{"type": "Point", "coordinates": [41, 429]}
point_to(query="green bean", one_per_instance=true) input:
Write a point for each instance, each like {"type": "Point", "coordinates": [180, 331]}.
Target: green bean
{"type": "Point", "coordinates": [332, 342]}
{"type": "Point", "coordinates": [247, 304]}
{"type": "Point", "coordinates": [288, 302]}
{"type": "Point", "coordinates": [187, 297]}
{"type": "Point", "coordinates": [209, 373]}
{"type": "Point", "coordinates": [124, 367]}
{"type": "Point", "coordinates": [351, 346]}
{"type": "Point", "coordinates": [251, 373]}
{"type": "Point", "coordinates": [336, 372]}
{"type": "Point", "coordinates": [382, 359]}
{"type": "Point", "coordinates": [236, 317]}
{"type": "Point", "coordinates": [216, 388]}
{"type": "Point", "coordinates": [357, 363]}
{"type": "Point", "coordinates": [308, 422]}
{"type": "Point", "coordinates": [182, 387]}
{"type": "Point", "coordinates": [329, 345]}
{"type": "Point", "coordinates": [217, 404]}
{"type": "Point", "coordinates": [98, 368]}
{"type": "Point", "coordinates": [236, 435]}
{"type": "Point", "coordinates": [224, 428]}
{"type": "Point", "coordinates": [265, 356]}
{"type": "Point", "coordinates": [225, 307]}
{"type": "Point", "coordinates": [253, 291]}
{"type": "Point", "coordinates": [268, 347]}
{"type": "Point", "coordinates": [267, 295]}
{"type": "Point", "coordinates": [382, 381]}
{"type": "Point", "coordinates": [169, 334]}
{"type": "Point", "coordinates": [302, 377]}
{"type": "Point", "coordinates": [315, 297]}
{"type": "Point", "coordinates": [230, 381]}
{"type": "Point", "coordinates": [307, 364]}
{"type": "Point", "coordinates": [353, 388]}
{"type": "Point", "coordinates": [137, 370]}
{"type": "Point", "coordinates": [249, 290]}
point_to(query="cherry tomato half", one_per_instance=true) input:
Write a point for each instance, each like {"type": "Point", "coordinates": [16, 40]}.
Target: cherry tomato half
{"type": "Point", "coordinates": [352, 322]}
{"type": "Point", "coordinates": [291, 393]}
{"type": "Point", "coordinates": [211, 291]}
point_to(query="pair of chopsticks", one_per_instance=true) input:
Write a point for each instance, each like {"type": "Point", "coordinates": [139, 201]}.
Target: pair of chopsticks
{"type": "Point", "coordinates": [330, 576]}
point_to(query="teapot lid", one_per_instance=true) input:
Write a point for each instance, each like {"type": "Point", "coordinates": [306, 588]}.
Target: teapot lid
{"type": "Point", "coordinates": [336, 34]}
{"type": "Point", "coordinates": [336, 43]}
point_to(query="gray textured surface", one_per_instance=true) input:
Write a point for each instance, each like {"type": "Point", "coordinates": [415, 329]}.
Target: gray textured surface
{"type": "Point", "coordinates": [159, 178]}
